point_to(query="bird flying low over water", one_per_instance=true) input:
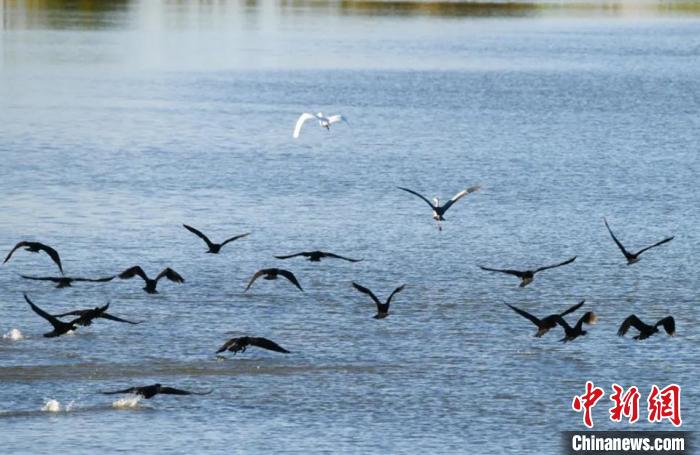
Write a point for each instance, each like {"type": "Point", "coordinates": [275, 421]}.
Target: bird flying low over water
{"type": "Point", "coordinates": [645, 330]}
{"type": "Point", "coordinates": [545, 324]}
{"type": "Point", "coordinates": [86, 316]}
{"type": "Point", "coordinates": [66, 281]}
{"type": "Point", "coordinates": [35, 247]}
{"type": "Point", "coordinates": [571, 333]}
{"type": "Point", "coordinates": [240, 344]}
{"type": "Point", "coordinates": [527, 276]}
{"type": "Point", "coordinates": [150, 391]}
{"type": "Point", "coordinates": [382, 308]}
{"type": "Point", "coordinates": [214, 248]}
{"type": "Point", "coordinates": [632, 257]}
{"type": "Point", "coordinates": [439, 210]}
{"type": "Point", "coordinates": [60, 327]}
{"type": "Point", "coordinates": [323, 121]}
{"type": "Point", "coordinates": [151, 284]}
{"type": "Point", "coordinates": [272, 274]}
{"type": "Point", "coordinates": [316, 256]}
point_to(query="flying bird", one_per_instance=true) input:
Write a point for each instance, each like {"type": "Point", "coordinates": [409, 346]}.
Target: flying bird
{"type": "Point", "coordinates": [86, 316]}
{"type": "Point", "coordinates": [439, 210]}
{"type": "Point", "coordinates": [240, 344]}
{"type": "Point", "coordinates": [571, 333]}
{"type": "Point", "coordinates": [150, 391]}
{"type": "Point", "coordinates": [60, 327]}
{"type": "Point", "coordinates": [272, 274]}
{"type": "Point", "coordinates": [214, 248]}
{"type": "Point", "coordinates": [323, 121]}
{"type": "Point", "coordinates": [316, 256]}
{"type": "Point", "coordinates": [545, 324]}
{"type": "Point", "coordinates": [645, 330]}
{"type": "Point", "coordinates": [382, 308]}
{"type": "Point", "coordinates": [151, 284]}
{"type": "Point", "coordinates": [527, 276]}
{"type": "Point", "coordinates": [632, 257]}
{"type": "Point", "coordinates": [35, 247]}
{"type": "Point", "coordinates": [66, 281]}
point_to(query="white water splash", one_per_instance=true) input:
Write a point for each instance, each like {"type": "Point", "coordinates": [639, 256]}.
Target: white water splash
{"type": "Point", "coordinates": [14, 335]}
{"type": "Point", "coordinates": [51, 406]}
{"type": "Point", "coordinates": [127, 402]}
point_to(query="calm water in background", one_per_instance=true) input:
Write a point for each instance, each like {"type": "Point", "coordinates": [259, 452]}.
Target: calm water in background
{"type": "Point", "coordinates": [122, 121]}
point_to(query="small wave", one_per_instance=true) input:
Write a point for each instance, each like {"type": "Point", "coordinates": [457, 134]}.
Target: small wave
{"type": "Point", "coordinates": [127, 403]}
{"type": "Point", "coordinates": [51, 406]}
{"type": "Point", "coordinates": [14, 335]}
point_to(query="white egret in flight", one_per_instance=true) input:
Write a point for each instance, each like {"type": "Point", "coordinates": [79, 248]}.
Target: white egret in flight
{"type": "Point", "coordinates": [323, 121]}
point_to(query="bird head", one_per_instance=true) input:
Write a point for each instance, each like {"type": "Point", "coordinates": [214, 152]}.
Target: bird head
{"type": "Point", "coordinates": [436, 201]}
{"type": "Point", "coordinates": [590, 318]}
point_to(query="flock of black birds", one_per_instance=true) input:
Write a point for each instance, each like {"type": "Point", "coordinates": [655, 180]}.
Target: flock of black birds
{"type": "Point", "coordinates": [85, 317]}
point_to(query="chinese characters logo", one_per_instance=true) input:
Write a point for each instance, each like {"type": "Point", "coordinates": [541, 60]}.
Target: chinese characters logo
{"type": "Point", "coordinates": [662, 404]}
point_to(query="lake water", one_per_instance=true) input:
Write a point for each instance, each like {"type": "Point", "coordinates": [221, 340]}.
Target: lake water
{"type": "Point", "coordinates": [119, 121]}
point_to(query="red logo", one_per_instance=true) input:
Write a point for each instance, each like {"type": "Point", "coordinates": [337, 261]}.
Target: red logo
{"type": "Point", "coordinates": [626, 404]}
{"type": "Point", "coordinates": [586, 402]}
{"type": "Point", "coordinates": [665, 404]}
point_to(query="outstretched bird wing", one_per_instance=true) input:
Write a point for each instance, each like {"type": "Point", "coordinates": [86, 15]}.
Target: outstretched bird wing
{"type": "Point", "coordinates": [71, 313]}
{"type": "Point", "coordinates": [114, 318]}
{"type": "Point", "coordinates": [290, 276]}
{"type": "Point", "coordinates": [266, 344]}
{"type": "Point", "coordinates": [234, 238]}
{"type": "Point", "coordinates": [669, 325]}
{"type": "Point", "coordinates": [95, 280]}
{"type": "Point", "coordinates": [568, 261]}
{"type": "Point", "coordinates": [55, 322]}
{"type": "Point", "coordinates": [654, 245]}
{"type": "Point", "coordinates": [290, 256]}
{"type": "Point", "coordinates": [525, 314]}
{"type": "Point", "coordinates": [459, 196]}
{"type": "Point", "coordinates": [302, 118]}
{"type": "Point", "coordinates": [364, 290]}
{"type": "Point", "coordinates": [560, 320]}
{"type": "Point", "coordinates": [199, 234]}
{"type": "Point", "coordinates": [517, 273]}
{"type": "Point", "coordinates": [53, 254]}
{"type": "Point", "coordinates": [55, 279]}
{"type": "Point", "coordinates": [391, 296]}
{"type": "Point", "coordinates": [87, 316]}
{"type": "Point", "coordinates": [132, 272]}
{"type": "Point", "coordinates": [257, 275]}
{"type": "Point", "coordinates": [58, 279]}
{"type": "Point", "coordinates": [170, 274]}
{"type": "Point", "coordinates": [19, 245]}
{"type": "Point", "coordinates": [573, 308]}
{"type": "Point", "coordinates": [136, 390]}
{"type": "Point", "coordinates": [337, 256]}
{"type": "Point", "coordinates": [419, 195]}
{"type": "Point", "coordinates": [336, 119]}
{"type": "Point", "coordinates": [617, 242]}
{"type": "Point", "coordinates": [631, 321]}
{"type": "Point", "coordinates": [174, 391]}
